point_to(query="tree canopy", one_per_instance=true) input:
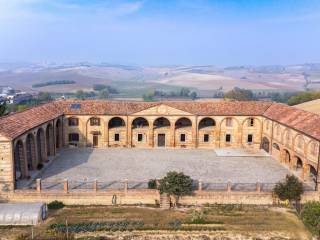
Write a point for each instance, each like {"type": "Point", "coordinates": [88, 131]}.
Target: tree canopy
{"type": "Point", "coordinates": [240, 94]}
{"type": "Point", "coordinates": [290, 189]}
{"type": "Point", "coordinates": [303, 97]}
{"type": "Point", "coordinates": [176, 184]}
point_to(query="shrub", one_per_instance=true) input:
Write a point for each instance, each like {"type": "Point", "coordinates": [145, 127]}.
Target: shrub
{"type": "Point", "coordinates": [311, 216]}
{"type": "Point", "coordinates": [197, 217]}
{"type": "Point", "coordinates": [290, 189]}
{"type": "Point", "coordinates": [152, 184]}
{"type": "Point", "coordinates": [56, 205]}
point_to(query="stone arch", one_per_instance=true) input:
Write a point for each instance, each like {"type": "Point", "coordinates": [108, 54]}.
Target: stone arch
{"type": "Point", "coordinates": [19, 161]}
{"type": "Point", "coordinates": [265, 145]}
{"type": "Point", "coordinates": [230, 135]}
{"type": "Point", "coordinates": [299, 143]}
{"type": "Point", "coordinates": [206, 122]}
{"type": "Point", "coordinates": [266, 126]}
{"type": "Point", "coordinates": [313, 148]}
{"type": "Point", "coordinates": [50, 140]}
{"type": "Point", "coordinates": [298, 163]}
{"type": "Point", "coordinates": [41, 147]}
{"type": "Point", "coordinates": [117, 132]}
{"type": "Point", "coordinates": [183, 132]}
{"type": "Point", "coordinates": [162, 132]}
{"type": "Point", "coordinates": [140, 122]}
{"type": "Point", "coordinates": [286, 156]}
{"type": "Point", "coordinates": [58, 134]}
{"type": "Point", "coordinates": [31, 152]}
{"type": "Point", "coordinates": [277, 133]}
{"type": "Point", "coordinates": [246, 122]}
{"type": "Point", "coordinates": [206, 132]}
{"type": "Point", "coordinates": [116, 122]}
{"type": "Point", "coordinates": [183, 122]}
{"type": "Point", "coordinates": [140, 132]}
{"type": "Point", "coordinates": [161, 122]}
{"type": "Point", "coordinates": [286, 137]}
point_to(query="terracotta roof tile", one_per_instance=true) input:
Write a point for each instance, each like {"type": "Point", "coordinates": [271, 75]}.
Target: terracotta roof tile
{"type": "Point", "coordinates": [295, 118]}
{"type": "Point", "coordinates": [16, 124]}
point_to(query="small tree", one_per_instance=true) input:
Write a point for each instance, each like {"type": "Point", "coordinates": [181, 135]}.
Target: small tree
{"type": "Point", "coordinates": [290, 189]}
{"type": "Point", "coordinates": [176, 185]}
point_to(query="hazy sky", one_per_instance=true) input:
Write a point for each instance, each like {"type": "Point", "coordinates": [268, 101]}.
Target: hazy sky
{"type": "Point", "coordinates": [150, 32]}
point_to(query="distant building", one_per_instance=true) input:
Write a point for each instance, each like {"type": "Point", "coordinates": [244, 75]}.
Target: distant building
{"type": "Point", "coordinates": [18, 98]}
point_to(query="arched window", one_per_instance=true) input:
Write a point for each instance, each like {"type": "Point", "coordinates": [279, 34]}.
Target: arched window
{"type": "Point", "coordinates": [73, 121]}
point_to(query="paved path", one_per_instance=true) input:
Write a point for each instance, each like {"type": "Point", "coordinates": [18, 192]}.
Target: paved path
{"type": "Point", "coordinates": [143, 164]}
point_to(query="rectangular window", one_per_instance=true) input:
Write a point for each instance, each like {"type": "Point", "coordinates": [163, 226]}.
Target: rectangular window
{"type": "Point", "coordinates": [250, 138]}
{"type": "Point", "coordinates": [228, 138]}
{"type": "Point", "coordinates": [73, 137]}
{"type": "Point", "coordinates": [206, 138]}
{"type": "Point", "coordinates": [73, 121]}
{"type": "Point", "coordinates": [140, 137]}
{"type": "Point", "coordinates": [250, 122]}
{"type": "Point", "coordinates": [95, 122]}
{"type": "Point", "coordinates": [229, 122]}
{"type": "Point", "coordinates": [117, 137]}
{"type": "Point", "coordinates": [182, 137]}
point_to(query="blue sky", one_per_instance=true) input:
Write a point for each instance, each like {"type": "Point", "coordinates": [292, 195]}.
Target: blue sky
{"type": "Point", "coordinates": [167, 32]}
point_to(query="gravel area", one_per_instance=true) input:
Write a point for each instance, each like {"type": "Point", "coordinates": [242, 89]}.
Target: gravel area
{"type": "Point", "coordinates": [116, 164]}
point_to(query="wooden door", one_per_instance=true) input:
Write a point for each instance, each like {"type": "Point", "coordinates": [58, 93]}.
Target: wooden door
{"type": "Point", "coordinates": [161, 140]}
{"type": "Point", "coordinates": [95, 141]}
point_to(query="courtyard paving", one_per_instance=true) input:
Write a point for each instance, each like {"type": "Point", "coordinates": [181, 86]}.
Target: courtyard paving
{"type": "Point", "coordinates": [139, 165]}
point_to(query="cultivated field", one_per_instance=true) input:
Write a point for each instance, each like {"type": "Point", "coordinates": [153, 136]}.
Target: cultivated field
{"type": "Point", "coordinates": [217, 222]}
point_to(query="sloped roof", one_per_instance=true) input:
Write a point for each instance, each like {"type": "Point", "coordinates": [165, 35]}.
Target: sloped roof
{"type": "Point", "coordinates": [16, 124]}
{"type": "Point", "coordinates": [303, 121]}
{"type": "Point", "coordinates": [96, 107]}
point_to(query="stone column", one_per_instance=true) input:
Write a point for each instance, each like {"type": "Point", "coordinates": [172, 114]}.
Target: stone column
{"type": "Point", "coordinates": [23, 152]}
{"type": "Point", "coordinates": [45, 148]}
{"type": "Point", "coordinates": [194, 134]}
{"type": "Point", "coordinates": [34, 153]}
{"type": "Point", "coordinates": [107, 133]}
{"type": "Point", "coordinates": [151, 135]}
{"type": "Point", "coordinates": [129, 133]}
{"type": "Point", "coordinates": [95, 185]}
{"type": "Point", "coordinates": [172, 135]}
{"type": "Point", "coordinates": [229, 186]}
{"type": "Point", "coordinates": [304, 171]}
{"type": "Point", "coordinates": [258, 187]}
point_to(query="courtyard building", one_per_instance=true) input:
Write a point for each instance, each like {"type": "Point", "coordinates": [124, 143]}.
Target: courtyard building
{"type": "Point", "coordinates": [32, 138]}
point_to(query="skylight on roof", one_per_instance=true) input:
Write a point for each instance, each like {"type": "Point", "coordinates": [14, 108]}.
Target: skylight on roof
{"type": "Point", "coordinates": [75, 106]}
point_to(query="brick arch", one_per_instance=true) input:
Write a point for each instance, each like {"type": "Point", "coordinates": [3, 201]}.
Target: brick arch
{"type": "Point", "coordinates": [286, 137]}
{"type": "Point", "coordinates": [206, 122]}
{"type": "Point", "coordinates": [278, 132]}
{"type": "Point", "coordinates": [267, 122]}
{"type": "Point", "coordinates": [182, 122]}
{"type": "Point", "coordinates": [163, 122]}
{"type": "Point", "coordinates": [115, 122]}
{"type": "Point", "coordinates": [93, 117]}
{"type": "Point", "coordinates": [296, 141]}
{"type": "Point", "coordinates": [50, 140]}
{"type": "Point", "coordinates": [246, 121]}
{"type": "Point", "coordinates": [20, 168]}
{"type": "Point", "coordinates": [233, 119]}
{"type": "Point", "coordinates": [297, 162]}
{"type": "Point", "coordinates": [286, 156]}
{"type": "Point", "coordinates": [31, 152]}
{"type": "Point", "coordinates": [41, 146]}
{"type": "Point", "coordinates": [312, 148]}
{"type": "Point", "coordinates": [140, 122]}
{"type": "Point", "coordinates": [140, 132]}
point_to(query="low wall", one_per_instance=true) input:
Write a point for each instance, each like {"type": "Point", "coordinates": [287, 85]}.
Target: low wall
{"type": "Point", "coordinates": [148, 196]}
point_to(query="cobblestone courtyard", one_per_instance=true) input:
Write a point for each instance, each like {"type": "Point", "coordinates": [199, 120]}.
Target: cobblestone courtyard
{"type": "Point", "coordinates": [142, 164]}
